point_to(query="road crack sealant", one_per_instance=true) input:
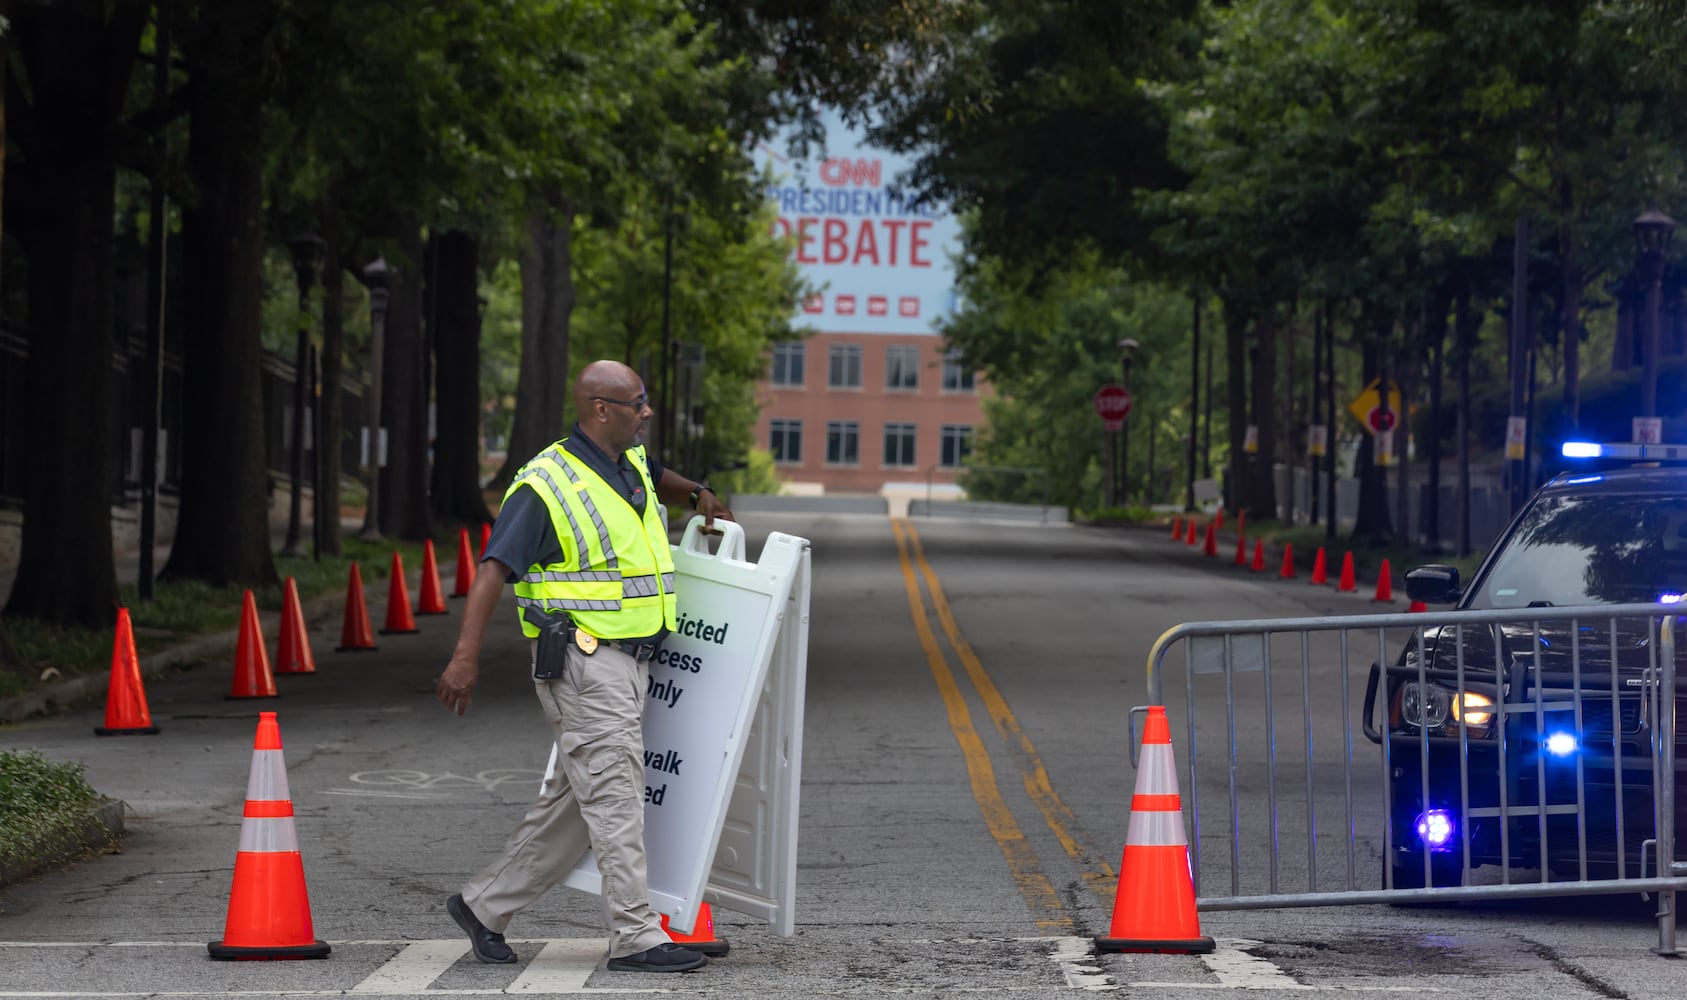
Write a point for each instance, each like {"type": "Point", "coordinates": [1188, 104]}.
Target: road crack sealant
{"type": "Point", "coordinates": [1566, 967]}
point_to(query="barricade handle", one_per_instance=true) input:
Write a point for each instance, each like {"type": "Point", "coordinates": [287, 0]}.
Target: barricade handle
{"type": "Point", "coordinates": [731, 539]}
{"type": "Point", "coordinates": [1130, 724]}
{"type": "Point", "coordinates": [1370, 701]}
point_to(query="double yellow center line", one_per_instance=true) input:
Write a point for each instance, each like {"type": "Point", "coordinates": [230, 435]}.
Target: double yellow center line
{"type": "Point", "coordinates": [1038, 892]}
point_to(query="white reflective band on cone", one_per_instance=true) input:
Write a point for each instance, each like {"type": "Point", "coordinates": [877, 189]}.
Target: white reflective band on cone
{"type": "Point", "coordinates": [267, 781]}
{"type": "Point", "coordinates": [271, 836]}
{"type": "Point", "coordinates": [1157, 772]}
{"type": "Point", "coordinates": [1155, 829]}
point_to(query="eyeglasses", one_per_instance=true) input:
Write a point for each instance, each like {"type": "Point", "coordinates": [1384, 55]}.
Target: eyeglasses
{"type": "Point", "coordinates": [636, 404]}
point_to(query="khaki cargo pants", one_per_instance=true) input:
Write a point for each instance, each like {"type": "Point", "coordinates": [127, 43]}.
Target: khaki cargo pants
{"type": "Point", "coordinates": [596, 711]}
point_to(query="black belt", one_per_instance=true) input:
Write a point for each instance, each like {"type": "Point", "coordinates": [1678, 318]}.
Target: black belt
{"type": "Point", "coordinates": [638, 649]}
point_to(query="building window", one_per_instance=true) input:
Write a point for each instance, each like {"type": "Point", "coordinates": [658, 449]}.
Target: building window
{"type": "Point", "coordinates": [843, 366]}
{"type": "Point", "coordinates": [843, 442]}
{"type": "Point", "coordinates": [956, 445]}
{"type": "Point", "coordinates": [899, 446]}
{"type": "Point", "coordinates": [902, 367]}
{"type": "Point", "coordinates": [955, 377]}
{"type": "Point", "coordinates": [785, 441]}
{"type": "Point", "coordinates": [787, 363]}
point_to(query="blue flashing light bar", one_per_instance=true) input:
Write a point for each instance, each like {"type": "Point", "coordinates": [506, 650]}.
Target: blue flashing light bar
{"type": "Point", "coordinates": [1625, 450]}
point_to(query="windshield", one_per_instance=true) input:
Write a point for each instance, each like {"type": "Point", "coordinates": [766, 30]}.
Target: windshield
{"type": "Point", "coordinates": [1610, 549]}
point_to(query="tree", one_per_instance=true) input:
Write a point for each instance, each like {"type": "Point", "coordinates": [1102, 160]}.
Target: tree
{"type": "Point", "coordinates": [222, 531]}
{"type": "Point", "coordinates": [65, 95]}
{"type": "Point", "coordinates": [455, 487]}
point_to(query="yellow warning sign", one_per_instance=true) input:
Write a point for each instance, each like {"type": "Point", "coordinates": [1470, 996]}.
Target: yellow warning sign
{"type": "Point", "coordinates": [1367, 408]}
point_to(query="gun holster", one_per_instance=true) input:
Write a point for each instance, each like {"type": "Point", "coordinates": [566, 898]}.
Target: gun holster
{"type": "Point", "coordinates": [551, 658]}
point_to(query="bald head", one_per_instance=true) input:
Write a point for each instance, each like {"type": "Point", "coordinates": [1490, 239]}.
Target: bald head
{"type": "Point", "coordinates": [609, 398]}
{"type": "Point", "coordinates": [609, 379]}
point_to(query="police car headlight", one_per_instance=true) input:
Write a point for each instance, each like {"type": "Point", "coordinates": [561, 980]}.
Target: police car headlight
{"type": "Point", "coordinates": [1438, 710]}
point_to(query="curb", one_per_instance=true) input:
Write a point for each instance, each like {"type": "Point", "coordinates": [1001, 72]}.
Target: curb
{"type": "Point", "coordinates": [100, 827]}
{"type": "Point", "coordinates": [201, 649]}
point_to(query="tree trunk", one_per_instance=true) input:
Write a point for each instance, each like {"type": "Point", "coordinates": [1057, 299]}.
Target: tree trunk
{"type": "Point", "coordinates": [547, 301]}
{"type": "Point", "coordinates": [1373, 520]}
{"type": "Point", "coordinates": [1436, 330]}
{"type": "Point", "coordinates": [1465, 324]}
{"type": "Point", "coordinates": [456, 456]}
{"type": "Point", "coordinates": [1262, 493]}
{"type": "Point", "coordinates": [330, 412]}
{"type": "Point", "coordinates": [1236, 396]}
{"type": "Point", "coordinates": [223, 534]}
{"type": "Point", "coordinates": [404, 400]}
{"type": "Point", "coordinates": [78, 58]}
{"type": "Point", "coordinates": [1570, 273]}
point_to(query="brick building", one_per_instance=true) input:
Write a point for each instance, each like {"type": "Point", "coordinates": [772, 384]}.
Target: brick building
{"type": "Point", "coordinates": [851, 412]}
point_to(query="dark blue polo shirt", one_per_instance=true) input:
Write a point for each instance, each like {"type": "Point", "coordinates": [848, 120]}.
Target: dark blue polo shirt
{"type": "Point", "coordinates": [523, 534]}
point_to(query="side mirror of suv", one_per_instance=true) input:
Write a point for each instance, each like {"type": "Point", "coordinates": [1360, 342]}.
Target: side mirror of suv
{"type": "Point", "coordinates": [1434, 584]}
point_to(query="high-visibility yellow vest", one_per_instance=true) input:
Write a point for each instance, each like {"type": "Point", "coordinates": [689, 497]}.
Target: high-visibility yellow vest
{"type": "Point", "coordinates": [616, 578]}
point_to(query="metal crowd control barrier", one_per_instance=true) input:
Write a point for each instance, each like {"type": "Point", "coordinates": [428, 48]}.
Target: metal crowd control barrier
{"type": "Point", "coordinates": [1541, 761]}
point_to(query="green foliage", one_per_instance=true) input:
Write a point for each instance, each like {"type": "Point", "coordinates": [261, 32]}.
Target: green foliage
{"type": "Point", "coordinates": [1046, 344]}
{"type": "Point", "coordinates": [759, 477]}
{"type": "Point", "coordinates": [39, 802]}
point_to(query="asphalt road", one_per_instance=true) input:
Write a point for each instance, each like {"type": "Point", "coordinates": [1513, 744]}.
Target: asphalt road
{"type": "Point", "coordinates": [965, 798]}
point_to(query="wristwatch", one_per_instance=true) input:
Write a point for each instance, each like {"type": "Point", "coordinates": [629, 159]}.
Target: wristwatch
{"type": "Point", "coordinates": [698, 492]}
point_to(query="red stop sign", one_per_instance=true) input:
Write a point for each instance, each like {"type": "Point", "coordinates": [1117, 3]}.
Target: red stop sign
{"type": "Point", "coordinates": [1113, 402]}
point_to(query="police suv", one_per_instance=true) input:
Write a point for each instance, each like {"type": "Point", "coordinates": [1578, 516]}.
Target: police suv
{"type": "Point", "coordinates": [1531, 738]}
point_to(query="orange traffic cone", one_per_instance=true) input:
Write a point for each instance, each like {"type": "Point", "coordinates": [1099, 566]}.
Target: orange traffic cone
{"type": "Point", "coordinates": [465, 565]}
{"type": "Point", "coordinates": [354, 635]}
{"type": "Point", "coordinates": [399, 621]}
{"type": "Point", "coordinates": [1347, 584]}
{"type": "Point", "coordinates": [292, 649]}
{"type": "Point", "coordinates": [1258, 565]}
{"type": "Point", "coordinates": [1177, 527]}
{"type": "Point", "coordinates": [1385, 584]}
{"type": "Point", "coordinates": [252, 678]}
{"type": "Point", "coordinates": [1210, 547]}
{"type": "Point", "coordinates": [126, 713]}
{"type": "Point", "coordinates": [702, 937]}
{"type": "Point", "coordinates": [1154, 910]}
{"type": "Point", "coordinates": [1288, 570]}
{"type": "Point", "coordinates": [268, 907]}
{"type": "Point", "coordinates": [485, 536]}
{"type": "Point", "coordinates": [431, 601]}
{"type": "Point", "coordinates": [1417, 607]}
{"type": "Point", "coordinates": [1320, 573]}
{"type": "Point", "coordinates": [1242, 520]}
{"type": "Point", "coordinates": [1218, 518]}
{"type": "Point", "coordinates": [1189, 534]}
{"type": "Point", "coordinates": [1241, 544]}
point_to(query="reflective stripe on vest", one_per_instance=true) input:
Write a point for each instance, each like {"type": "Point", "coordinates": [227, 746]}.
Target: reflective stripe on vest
{"type": "Point", "coordinates": [616, 579]}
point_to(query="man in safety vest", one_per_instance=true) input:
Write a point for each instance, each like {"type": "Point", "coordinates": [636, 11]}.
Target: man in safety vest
{"type": "Point", "coordinates": [580, 537]}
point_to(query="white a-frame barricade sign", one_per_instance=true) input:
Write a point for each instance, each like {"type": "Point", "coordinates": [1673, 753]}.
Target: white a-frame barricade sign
{"type": "Point", "coordinates": [723, 722]}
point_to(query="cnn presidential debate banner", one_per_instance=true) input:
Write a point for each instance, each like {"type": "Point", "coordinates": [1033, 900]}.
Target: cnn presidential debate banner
{"type": "Point", "coordinates": [881, 259]}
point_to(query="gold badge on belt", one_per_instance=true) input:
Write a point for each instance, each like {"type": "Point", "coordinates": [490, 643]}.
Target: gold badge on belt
{"type": "Point", "coordinates": [586, 641]}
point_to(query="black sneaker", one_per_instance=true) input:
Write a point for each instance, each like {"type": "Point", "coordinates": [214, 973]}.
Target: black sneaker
{"type": "Point", "coordinates": [488, 947]}
{"type": "Point", "coordinates": [668, 957]}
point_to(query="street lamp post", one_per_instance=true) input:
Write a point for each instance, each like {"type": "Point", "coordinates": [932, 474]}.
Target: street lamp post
{"type": "Point", "coordinates": [1652, 232]}
{"type": "Point", "coordinates": [376, 275]}
{"type": "Point", "coordinates": [307, 249]}
{"type": "Point", "coordinates": [1127, 352]}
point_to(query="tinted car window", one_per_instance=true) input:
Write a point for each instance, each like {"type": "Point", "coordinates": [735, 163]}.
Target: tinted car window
{"type": "Point", "coordinates": [1590, 549]}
